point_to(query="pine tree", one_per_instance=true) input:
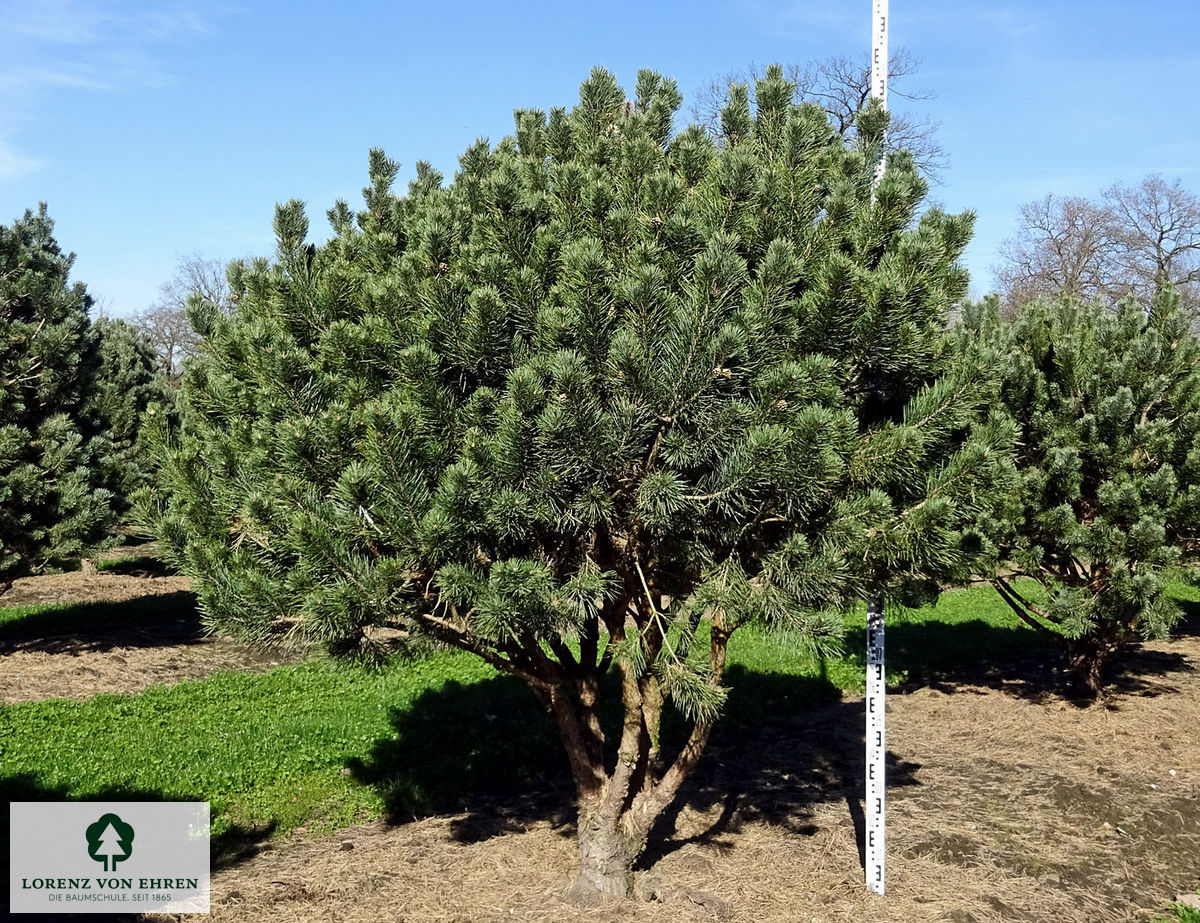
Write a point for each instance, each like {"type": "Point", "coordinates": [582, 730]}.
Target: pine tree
{"type": "Point", "coordinates": [52, 503]}
{"type": "Point", "coordinates": [602, 399]}
{"type": "Point", "coordinates": [1109, 462]}
{"type": "Point", "coordinates": [131, 392]}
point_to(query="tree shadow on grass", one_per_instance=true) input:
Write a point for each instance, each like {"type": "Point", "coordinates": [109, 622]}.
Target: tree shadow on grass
{"type": "Point", "coordinates": [489, 752]}
{"type": "Point", "coordinates": [1014, 660]}
{"type": "Point", "coordinates": [1189, 622]}
{"type": "Point", "coordinates": [947, 657]}
{"type": "Point", "coordinates": [164, 620]}
{"type": "Point", "coordinates": [146, 565]}
{"type": "Point", "coordinates": [786, 744]}
{"type": "Point", "coordinates": [233, 845]}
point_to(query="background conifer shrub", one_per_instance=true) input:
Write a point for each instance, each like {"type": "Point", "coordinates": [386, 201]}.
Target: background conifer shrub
{"type": "Point", "coordinates": [130, 401]}
{"type": "Point", "coordinates": [1108, 406]}
{"type": "Point", "coordinates": [54, 501]}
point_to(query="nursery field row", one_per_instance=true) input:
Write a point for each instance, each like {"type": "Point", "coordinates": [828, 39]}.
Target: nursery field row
{"type": "Point", "coordinates": [324, 744]}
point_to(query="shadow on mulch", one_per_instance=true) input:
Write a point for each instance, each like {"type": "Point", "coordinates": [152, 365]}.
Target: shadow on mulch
{"type": "Point", "coordinates": [788, 745]}
{"type": "Point", "coordinates": [234, 845]}
{"type": "Point", "coordinates": [164, 620]}
{"type": "Point", "coordinates": [488, 751]}
{"type": "Point", "coordinates": [1017, 661]}
{"type": "Point", "coordinates": [785, 745]}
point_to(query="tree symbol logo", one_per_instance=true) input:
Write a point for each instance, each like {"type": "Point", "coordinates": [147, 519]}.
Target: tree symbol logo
{"type": "Point", "coordinates": [110, 840]}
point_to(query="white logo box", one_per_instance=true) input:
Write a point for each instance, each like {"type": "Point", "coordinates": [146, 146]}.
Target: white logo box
{"type": "Point", "coordinates": [109, 857]}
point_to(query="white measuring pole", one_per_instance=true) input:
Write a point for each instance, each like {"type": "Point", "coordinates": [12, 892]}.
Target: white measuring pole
{"type": "Point", "coordinates": [876, 802]}
{"type": "Point", "coordinates": [879, 50]}
{"type": "Point", "coordinates": [876, 706]}
{"type": "Point", "coordinates": [879, 62]}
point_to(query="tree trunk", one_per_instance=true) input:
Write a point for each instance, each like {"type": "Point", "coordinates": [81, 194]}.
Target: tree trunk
{"type": "Point", "coordinates": [606, 852]}
{"type": "Point", "coordinates": [606, 857]}
{"type": "Point", "coordinates": [1087, 657]}
{"type": "Point", "coordinates": [618, 810]}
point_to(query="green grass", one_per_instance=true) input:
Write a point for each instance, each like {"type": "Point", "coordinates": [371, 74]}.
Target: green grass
{"type": "Point", "coordinates": [966, 625]}
{"type": "Point", "coordinates": [323, 745]}
{"type": "Point", "coordinates": [121, 564]}
{"type": "Point", "coordinates": [141, 564]}
{"type": "Point", "coordinates": [12, 615]}
{"type": "Point", "coordinates": [263, 749]}
{"type": "Point", "coordinates": [1181, 913]}
{"type": "Point", "coordinates": [1187, 597]}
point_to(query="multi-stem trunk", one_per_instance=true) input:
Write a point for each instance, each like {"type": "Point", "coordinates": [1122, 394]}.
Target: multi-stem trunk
{"type": "Point", "coordinates": [618, 808]}
{"type": "Point", "coordinates": [619, 798]}
{"type": "Point", "coordinates": [1088, 654]}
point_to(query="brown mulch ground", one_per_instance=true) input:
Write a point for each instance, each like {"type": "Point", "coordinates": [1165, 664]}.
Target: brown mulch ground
{"type": "Point", "coordinates": [93, 655]}
{"type": "Point", "coordinates": [75, 587]}
{"type": "Point", "coordinates": [1005, 805]}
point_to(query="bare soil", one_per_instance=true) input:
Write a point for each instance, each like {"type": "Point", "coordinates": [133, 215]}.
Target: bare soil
{"type": "Point", "coordinates": [90, 654]}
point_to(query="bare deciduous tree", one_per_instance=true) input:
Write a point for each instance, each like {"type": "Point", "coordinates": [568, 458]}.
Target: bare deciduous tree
{"type": "Point", "coordinates": [841, 85]}
{"type": "Point", "coordinates": [1063, 247]}
{"type": "Point", "coordinates": [197, 276]}
{"type": "Point", "coordinates": [1130, 241]}
{"type": "Point", "coordinates": [171, 335]}
{"type": "Point", "coordinates": [1156, 232]}
{"type": "Point", "coordinates": [166, 323]}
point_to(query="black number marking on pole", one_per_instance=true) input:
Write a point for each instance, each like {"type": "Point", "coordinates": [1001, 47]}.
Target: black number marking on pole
{"type": "Point", "coordinates": [879, 50]}
{"type": "Point", "coordinates": [876, 710]}
{"type": "Point", "coordinates": [876, 748]}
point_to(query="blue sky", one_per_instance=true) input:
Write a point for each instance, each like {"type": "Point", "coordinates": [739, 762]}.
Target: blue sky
{"type": "Point", "coordinates": [159, 130]}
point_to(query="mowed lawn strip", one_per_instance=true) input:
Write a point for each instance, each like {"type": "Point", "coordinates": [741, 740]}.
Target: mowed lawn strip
{"type": "Point", "coordinates": [287, 748]}
{"type": "Point", "coordinates": [263, 749]}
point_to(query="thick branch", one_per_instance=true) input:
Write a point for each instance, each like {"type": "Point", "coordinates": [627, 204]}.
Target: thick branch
{"type": "Point", "coordinates": [648, 805]}
{"type": "Point", "coordinates": [1019, 608]}
{"type": "Point", "coordinates": [564, 655]}
{"type": "Point", "coordinates": [447, 631]}
{"type": "Point", "coordinates": [589, 643]}
{"type": "Point", "coordinates": [629, 749]}
{"type": "Point", "coordinates": [588, 691]}
{"type": "Point", "coordinates": [584, 748]}
{"type": "Point", "coordinates": [653, 638]}
{"type": "Point", "coordinates": [1027, 604]}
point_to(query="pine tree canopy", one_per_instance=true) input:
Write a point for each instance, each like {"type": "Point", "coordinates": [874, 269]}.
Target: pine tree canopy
{"type": "Point", "coordinates": [53, 504]}
{"type": "Point", "coordinates": [609, 393]}
{"type": "Point", "coordinates": [130, 394]}
{"type": "Point", "coordinates": [1109, 463]}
